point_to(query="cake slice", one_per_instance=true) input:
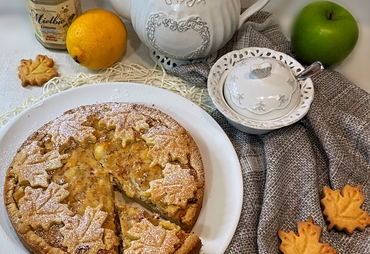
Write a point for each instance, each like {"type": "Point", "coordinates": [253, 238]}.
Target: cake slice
{"type": "Point", "coordinates": [143, 232]}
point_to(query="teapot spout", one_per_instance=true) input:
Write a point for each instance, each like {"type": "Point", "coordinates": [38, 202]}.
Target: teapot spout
{"type": "Point", "coordinates": [122, 7]}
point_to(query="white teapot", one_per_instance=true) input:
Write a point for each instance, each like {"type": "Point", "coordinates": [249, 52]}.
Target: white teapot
{"type": "Point", "coordinates": [185, 29]}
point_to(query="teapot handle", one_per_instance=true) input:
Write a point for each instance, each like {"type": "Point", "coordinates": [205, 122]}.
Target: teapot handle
{"type": "Point", "coordinates": [251, 10]}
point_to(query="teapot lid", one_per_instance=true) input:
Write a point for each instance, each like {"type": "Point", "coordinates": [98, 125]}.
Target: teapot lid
{"type": "Point", "coordinates": [262, 88]}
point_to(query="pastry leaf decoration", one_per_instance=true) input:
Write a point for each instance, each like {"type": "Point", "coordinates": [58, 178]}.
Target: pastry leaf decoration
{"type": "Point", "coordinates": [166, 145]}
{"type": "Point", "coordinates": [151, 239]}
{"type": "Point", "coordinates": [175, 188]}
{"type": "Point", "coordinates": [85, 234]}
{"type": "Point", "coordinates": [306, 242]}
{"type": "Point", "coordinates": [70, 126]}
{"type": "Point", "coordinates": [44, 208]}
{"type": "Point", "coordinates": [342, 210]}
{"type": "Point", "coordinates": [32, 163]}
{"type": "Point", "coordinates": [125, 120]}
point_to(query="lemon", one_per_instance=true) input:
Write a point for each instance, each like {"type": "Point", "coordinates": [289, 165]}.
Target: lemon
{"type": "Point", "coordinates": [96, 39]}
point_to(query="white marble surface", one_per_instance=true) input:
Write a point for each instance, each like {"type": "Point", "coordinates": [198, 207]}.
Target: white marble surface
{"type": "Point", "coordinates": [17, 42]}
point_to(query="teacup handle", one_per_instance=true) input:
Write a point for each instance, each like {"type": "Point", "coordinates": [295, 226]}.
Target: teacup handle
{"type": "Point", "coordinates": [251, 10]}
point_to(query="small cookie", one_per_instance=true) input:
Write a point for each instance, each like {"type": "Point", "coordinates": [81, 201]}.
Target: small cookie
{"type": "Point", "coordinates": [38, 72]}
{"type": "Point", "coordinates": [342, 210]}
{"type": "Point", "coordinates": [307, 241]}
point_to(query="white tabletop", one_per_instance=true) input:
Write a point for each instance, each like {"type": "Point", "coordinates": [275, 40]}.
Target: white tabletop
{"type": "Point", "coordinates": [17, 41]}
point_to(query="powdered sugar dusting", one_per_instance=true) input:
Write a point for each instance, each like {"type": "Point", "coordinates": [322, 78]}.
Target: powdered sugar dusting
{"type": "Point", "coordinates": [31, 164]}
{"type": "Point", "coordinates": [85, 233]}
{"type": "Point", "coordinates": [175, 188]}
{"type": "Point", "coordinates": [70, 126]}
{"type": "Point", "coordinates": [44, 208]}
{"type": "Point", "coordinates": [151, 239]}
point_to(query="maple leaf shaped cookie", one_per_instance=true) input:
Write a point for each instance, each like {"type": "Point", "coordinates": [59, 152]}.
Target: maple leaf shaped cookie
{"type": "Point", "coordinates": [38, 72]}
{"type": "Point", "coordinates": [32, 163]}
{"type": "Point", "coordinates": [85, 234]}
{"type": "Point", "coordinates": [44, 208]}
{"type": "Point", "coordinates": [306, 242]}
{"type": "Point", "coordinates": [151, 239]}
{"type": "Point", "coordinates": [70, 126]}
{"type": "Point", "coordinates": [125, 120]}
{"type": "Point", "coordinates": [342, 210]}
{"type": "Point", "coordinates": [167, 145]}
{"type": "Point", "coordinates": [175, 188]}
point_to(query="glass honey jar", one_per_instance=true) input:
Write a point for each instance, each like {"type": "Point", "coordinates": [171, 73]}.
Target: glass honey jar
{"type": "Point", "coordinates": [51, 20]}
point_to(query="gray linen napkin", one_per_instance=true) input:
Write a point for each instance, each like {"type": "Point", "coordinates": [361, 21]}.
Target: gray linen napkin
{"type": "Point", "coordinates": [284, 172]}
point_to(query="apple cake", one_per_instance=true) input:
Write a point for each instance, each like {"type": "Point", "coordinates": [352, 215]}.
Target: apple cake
{"type": "Point", "coordinates": [60, 188]}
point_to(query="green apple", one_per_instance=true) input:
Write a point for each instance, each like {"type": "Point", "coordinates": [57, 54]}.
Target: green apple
{"type": "Point", "coordinates": [324, 31]}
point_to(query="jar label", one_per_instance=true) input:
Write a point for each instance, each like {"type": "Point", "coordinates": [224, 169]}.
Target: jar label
{"type": "Point", "coordinates": [51, 22]}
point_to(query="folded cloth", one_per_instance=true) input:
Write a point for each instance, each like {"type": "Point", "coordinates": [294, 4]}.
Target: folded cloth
{"type": "Point", "coordinates": [285, 171]}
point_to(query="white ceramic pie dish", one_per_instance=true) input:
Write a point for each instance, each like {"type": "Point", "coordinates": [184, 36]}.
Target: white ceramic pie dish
{"type": "Point", "coordinates": [223, 195]}
{"type": "Point", "coordinates": [216, 89]}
